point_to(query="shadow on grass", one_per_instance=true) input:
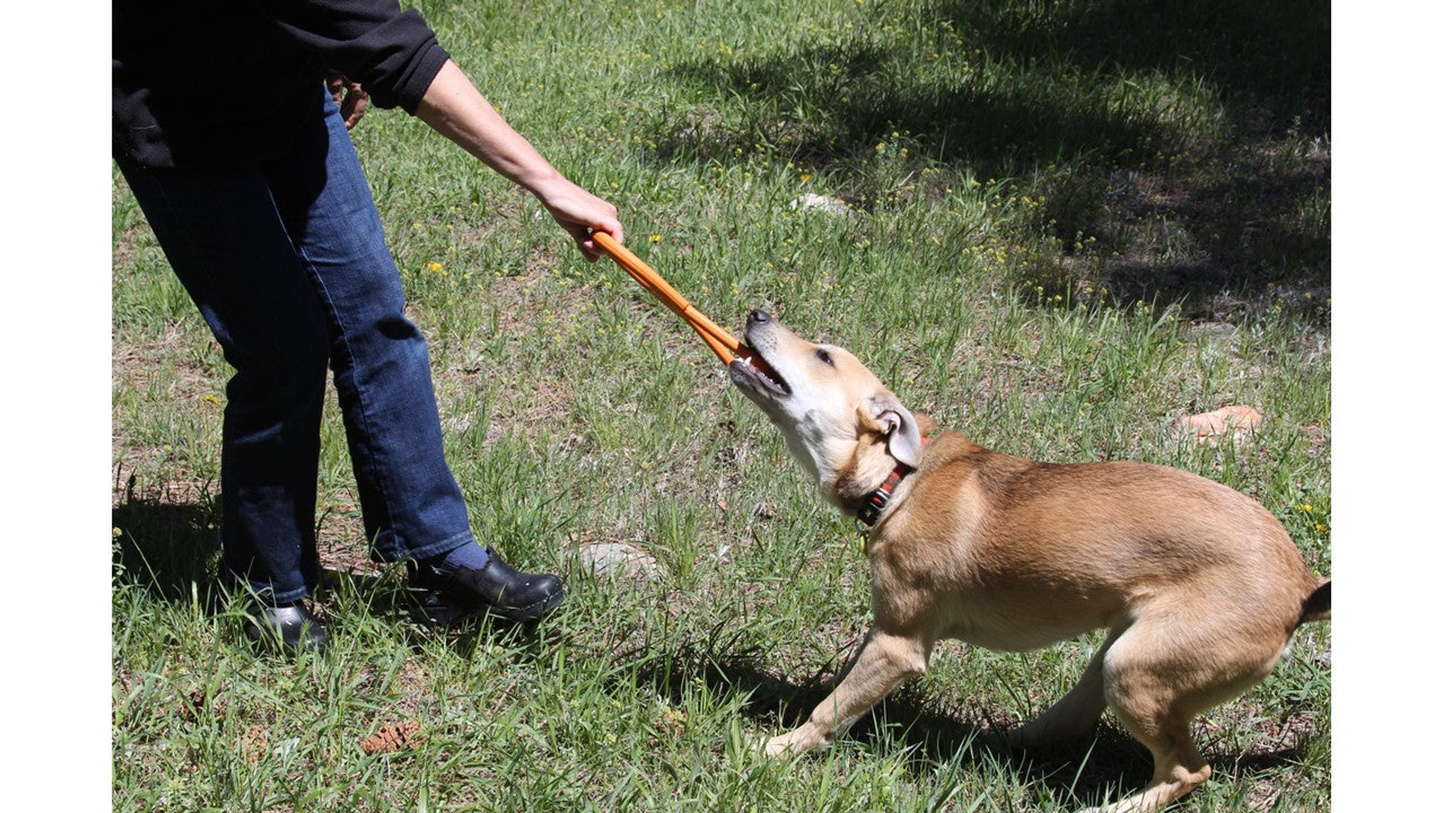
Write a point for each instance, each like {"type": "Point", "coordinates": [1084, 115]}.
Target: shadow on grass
{"type": "Point", "coordinates": [1173, 201]}
{"type": "Point", "coordinates": [1085, 771]}
{"type": "Point", "coordinates": [856, 95]}
{"type": "Point", "coordinates": [1269, 64]}
{"type": "Point", "coordinates": [169, 545]}
{"type": "Point", "coordinates": [169, 542]}
{"type": "Point", "coordinates": [1265, 57]}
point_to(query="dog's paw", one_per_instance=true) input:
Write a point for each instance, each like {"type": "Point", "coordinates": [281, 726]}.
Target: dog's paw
{"type": "Point", "coordinates": [775, 746]}
{"type": "Point", "coordinates": [783, 745]}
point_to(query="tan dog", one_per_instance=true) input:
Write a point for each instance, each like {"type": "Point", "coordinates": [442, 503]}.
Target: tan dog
{"type": "Point", "coordinates": [1199, 586]}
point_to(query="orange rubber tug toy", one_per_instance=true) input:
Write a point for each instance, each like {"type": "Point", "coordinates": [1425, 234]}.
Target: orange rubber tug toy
{"type": "Point", "coordinates": [722, 343]}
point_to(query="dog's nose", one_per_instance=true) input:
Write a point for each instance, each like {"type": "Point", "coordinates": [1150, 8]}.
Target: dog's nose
{"type": "Point", "coordinates": [759, 317]}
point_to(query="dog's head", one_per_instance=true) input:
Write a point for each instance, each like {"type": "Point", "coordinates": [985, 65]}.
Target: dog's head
{"type": "Point", "coordinates": [840, 422]}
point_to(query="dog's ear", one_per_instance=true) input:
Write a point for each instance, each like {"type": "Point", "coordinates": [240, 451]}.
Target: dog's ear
{"type": "Point", "coordinates": [905, 441]}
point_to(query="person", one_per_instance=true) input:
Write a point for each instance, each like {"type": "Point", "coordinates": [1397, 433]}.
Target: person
{"type": "Point", "coordinates": [230, 124]}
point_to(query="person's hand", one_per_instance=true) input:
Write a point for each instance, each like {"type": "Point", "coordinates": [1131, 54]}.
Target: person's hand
{"type": "Point", "coordinates": [579, 213]}
{"type": "Point", "coordinates": [349, 96]}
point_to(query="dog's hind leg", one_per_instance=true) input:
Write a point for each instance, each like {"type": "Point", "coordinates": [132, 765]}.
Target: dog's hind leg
{"type": "Point", "coordinates": [883, 661]}
{"type": "Point", "coordinates": [1158, 675]}
{"type": "Point", "coordinates": [1076, 713]}
{"type": "Point", "coordinates": [1178, 767]}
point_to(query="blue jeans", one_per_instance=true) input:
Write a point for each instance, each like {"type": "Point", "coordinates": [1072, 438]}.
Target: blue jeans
{"type": "Point", "coordinates": [289, 267]}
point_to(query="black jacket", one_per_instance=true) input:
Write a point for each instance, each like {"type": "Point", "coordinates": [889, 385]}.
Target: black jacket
{"type": "Point", "coordinates": [218, 83]}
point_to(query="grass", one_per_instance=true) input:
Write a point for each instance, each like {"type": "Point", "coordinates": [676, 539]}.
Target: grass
{"type": "Point", "coordinates": [1068, 224]}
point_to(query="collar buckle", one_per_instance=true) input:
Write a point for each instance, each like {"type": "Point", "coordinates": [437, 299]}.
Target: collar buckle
{"type": "Point", "coordinates": [872, 507]}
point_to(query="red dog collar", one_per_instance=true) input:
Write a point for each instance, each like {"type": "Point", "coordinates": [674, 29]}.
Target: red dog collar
{"type": "Point", "coordinates": [873, 506]}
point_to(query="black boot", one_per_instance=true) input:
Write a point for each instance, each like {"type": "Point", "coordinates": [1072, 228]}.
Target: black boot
{"type": "Point", "coordinates": [496, 589]}
{"type": "Point", "coordinates": [289, 628]}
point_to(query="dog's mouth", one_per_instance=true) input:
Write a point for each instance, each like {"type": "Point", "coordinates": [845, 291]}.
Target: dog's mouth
{"type": "Point", "coordinates": [751, 370]}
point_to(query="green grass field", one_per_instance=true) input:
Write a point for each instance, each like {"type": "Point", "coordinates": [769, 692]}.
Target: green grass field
{"type": "Point", "coordinates": [1066, 224]}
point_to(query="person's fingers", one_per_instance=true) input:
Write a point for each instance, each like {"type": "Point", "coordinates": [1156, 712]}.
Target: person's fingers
{"type": "Point", "coordinates": [613, 226]}
{"type": "Point", "coordinates": [589, 248]}
{"type": "Point", "coordinates": [353, 107]}
{"type": "Point", "coordinates": [581, 228]}
{"type": "Point", "coordinates": [579, 213]}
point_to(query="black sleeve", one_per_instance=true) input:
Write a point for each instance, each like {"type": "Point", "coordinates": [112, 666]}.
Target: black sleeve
{"type": "Point", "coordinates": [394, 54]}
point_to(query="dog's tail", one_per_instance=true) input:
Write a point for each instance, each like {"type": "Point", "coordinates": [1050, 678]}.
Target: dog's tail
{"type": "Point", "coordinates": [1317, 606]}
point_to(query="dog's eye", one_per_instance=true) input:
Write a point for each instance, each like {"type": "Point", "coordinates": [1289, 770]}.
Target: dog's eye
{"type": "Point", "coordinates": [823, 356]}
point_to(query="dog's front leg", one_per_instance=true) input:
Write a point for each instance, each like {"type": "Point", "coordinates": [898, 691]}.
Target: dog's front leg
{"type": "Point", "coordinates": [883, 661]}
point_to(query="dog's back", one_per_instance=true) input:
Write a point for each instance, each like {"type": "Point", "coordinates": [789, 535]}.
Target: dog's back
{"type": "Point", "coordinates": [1076, 546]}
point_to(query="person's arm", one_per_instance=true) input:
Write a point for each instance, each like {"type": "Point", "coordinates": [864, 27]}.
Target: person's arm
{"type": "Point", "coordinates": [396, 58]}
{"type": "Point", "coordinates": [455, 108]}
